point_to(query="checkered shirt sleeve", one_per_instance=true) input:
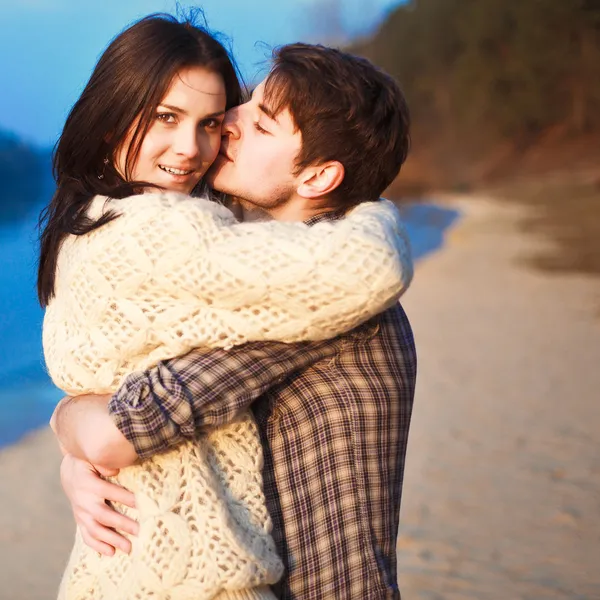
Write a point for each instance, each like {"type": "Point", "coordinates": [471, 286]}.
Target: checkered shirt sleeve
{"type": "Point", "coordinates": [171, 402]}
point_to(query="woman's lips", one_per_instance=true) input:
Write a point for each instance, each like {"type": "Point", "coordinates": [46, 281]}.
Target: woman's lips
{"type": "Point", "coordinates": [177, 171]}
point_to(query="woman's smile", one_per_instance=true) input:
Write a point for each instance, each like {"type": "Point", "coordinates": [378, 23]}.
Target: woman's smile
{"type": "Point", "coordinates": [175, 170]}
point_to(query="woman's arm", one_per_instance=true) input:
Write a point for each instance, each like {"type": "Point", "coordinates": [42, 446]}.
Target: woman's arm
{"type": "Point", "coordinates": [291, 282]}
{"type": "Point", "coordinates": [275, 281]}
{"type": "Point", "coordinates": [175, 273]}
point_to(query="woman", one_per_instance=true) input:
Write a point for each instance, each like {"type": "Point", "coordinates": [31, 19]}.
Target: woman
{"type": "Point", "coordinates": [131, 276]}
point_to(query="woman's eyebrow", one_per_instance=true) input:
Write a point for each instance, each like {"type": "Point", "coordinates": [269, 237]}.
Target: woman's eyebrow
{"type": "Point", "coordinates": [216, 114]}
{"type": "Point", "coordinates": [175, 109]}
{"type": "Point", "coordinates": [182, 111]}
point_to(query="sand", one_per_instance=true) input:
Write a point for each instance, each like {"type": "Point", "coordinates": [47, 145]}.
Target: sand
{"type": "Point", "coordinates": [502, 488]}
{"type": "Point", "coordinates": [36, 525]}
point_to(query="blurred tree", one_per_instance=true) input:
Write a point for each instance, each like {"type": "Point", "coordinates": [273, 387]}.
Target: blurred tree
{"type": "Point", "coordinates": [582, 24]}
{"type": "Point", "coordinates": [325, 22]}
{"type": "Point", "coordinates": [25, 176]}
{"type": "Point", "coordinates": [480, 71]}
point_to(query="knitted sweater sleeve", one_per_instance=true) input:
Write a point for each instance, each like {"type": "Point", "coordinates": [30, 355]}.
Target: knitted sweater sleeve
{"type": "Point", "coordinates": [313, 283]}
{"type": "Point", "coordinates": [173, 273]}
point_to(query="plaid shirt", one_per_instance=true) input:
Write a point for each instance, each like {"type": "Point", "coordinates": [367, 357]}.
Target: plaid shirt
{"type": "Point", "coordinates": [333, 418]}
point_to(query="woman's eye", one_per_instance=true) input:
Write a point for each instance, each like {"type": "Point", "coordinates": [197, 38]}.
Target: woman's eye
{"type": "Point", "coordinates": [166, 117]}
{"type": "Point", "coordinates": [212, 123]}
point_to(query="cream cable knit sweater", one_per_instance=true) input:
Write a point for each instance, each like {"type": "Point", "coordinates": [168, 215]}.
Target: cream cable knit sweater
{"type": "Point", "coordinates": [174, 273]}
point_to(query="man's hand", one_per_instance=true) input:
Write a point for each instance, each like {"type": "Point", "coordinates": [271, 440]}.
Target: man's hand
{"type": "Point", "coordinates": [88, 492]}
{"type": "Point", "coordinates": [85, 429]}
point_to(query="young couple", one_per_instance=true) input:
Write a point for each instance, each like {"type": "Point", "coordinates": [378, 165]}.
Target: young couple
{"type": "Point", "coordinates": [239, 394]}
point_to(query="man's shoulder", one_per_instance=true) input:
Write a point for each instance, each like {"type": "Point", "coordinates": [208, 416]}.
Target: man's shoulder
{"type": "Point", "coordinates": [384, 340]}
{"type": "Point", "coordinates": [328, 215]}
{"type": "Point", "coordinates": [378, 355]}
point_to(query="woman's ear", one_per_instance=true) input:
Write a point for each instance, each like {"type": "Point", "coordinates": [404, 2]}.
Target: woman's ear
{"type": "Point", "coordinates": [321, 180]}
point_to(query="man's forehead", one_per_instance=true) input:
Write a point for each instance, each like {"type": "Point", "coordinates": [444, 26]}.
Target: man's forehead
{"type": "Point", "coordinates": [258, 95]}
{"type": "Point", "coordinates": [268, 106]}
{"type": "Point", "coordinates": [258, 92]}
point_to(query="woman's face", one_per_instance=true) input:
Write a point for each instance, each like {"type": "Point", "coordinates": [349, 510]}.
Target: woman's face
{"type": "Point", "coordinates": [185, 134]}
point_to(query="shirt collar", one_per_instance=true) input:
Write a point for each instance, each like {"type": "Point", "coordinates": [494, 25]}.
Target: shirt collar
{"type": "Point", "coordinates": [332, 215]}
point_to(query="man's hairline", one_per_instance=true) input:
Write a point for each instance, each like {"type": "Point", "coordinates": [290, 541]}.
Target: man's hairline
{"type": "Point", "coordinates": [271, 114]}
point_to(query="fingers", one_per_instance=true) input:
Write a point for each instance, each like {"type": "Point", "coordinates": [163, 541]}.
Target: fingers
{"type": "Point", "coordinates": [52, 422]}
{"type": "Point", "coordinates": [98, 522]}
{"type": "Point", "coordinates": [106, 537]}
{"type": "Point", "coordinates": [97, 545]}
{"type": "Point", "coordinates": [113, 492]}
{"type": "Point", "coordinates": [106, 471]}
{"type": "Point", "coordinates": [98, 530]}
{"type": "Point", "coordinates": [78, 476]}
{"type": "Point", "coordinates": [108, 517]}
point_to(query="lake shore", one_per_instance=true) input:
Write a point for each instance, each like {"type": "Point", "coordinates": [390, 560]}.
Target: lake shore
{"type": "Point", "coordinates": [502, 482]}
{"type": "Point", "coordinates": [503, 478]}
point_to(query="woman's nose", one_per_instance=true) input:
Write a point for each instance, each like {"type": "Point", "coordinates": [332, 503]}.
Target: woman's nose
{"type": "Point", "coordinates": [186, 143]}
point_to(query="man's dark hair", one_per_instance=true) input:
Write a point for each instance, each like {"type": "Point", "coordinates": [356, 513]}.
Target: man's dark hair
{"type": "Point", "coordinates": [346, 110]}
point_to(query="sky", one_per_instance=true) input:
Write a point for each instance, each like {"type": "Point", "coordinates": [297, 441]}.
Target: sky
{"type": "Point", "coordinates": [48, 48]}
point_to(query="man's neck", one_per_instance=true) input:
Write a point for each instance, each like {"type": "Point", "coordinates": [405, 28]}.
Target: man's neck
{"type": "Point", "coordinates": [299, 209]}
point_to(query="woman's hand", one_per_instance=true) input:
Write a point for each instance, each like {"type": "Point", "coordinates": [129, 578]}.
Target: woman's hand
{"type": "Point", "coordinates": [88, 494]}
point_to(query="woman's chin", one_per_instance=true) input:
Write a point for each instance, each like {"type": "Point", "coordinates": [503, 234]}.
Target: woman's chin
{"type": "Point", "coordinates": [184, 186]}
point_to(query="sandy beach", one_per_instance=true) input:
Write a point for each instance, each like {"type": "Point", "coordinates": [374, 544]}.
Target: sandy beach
{"type": "Point", "coordinates": [502, 487]}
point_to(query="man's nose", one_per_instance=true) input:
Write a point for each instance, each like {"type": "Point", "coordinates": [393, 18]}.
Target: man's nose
{"type": "Point", "coordinates": [231, 124]}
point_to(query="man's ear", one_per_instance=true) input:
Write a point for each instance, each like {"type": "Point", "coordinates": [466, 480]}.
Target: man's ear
{"type": "Point", "coordinates": [321, 180]}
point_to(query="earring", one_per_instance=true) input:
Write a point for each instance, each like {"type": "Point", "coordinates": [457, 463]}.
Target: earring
{"type": "Point", "coordinates": [105, 161]}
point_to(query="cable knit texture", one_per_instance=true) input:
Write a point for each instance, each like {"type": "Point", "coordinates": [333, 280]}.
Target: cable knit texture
{"type": "Point", "coordinates": [173, 273]}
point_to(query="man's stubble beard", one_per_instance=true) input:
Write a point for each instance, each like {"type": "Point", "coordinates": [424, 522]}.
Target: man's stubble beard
{"type": "Point", "coordinates": [278, 198]}
{"type": "Point", "coordinates": [247, 198]}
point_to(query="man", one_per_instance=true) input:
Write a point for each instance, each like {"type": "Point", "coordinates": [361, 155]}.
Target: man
{"type": "Point", "coordinates": [322, 133]}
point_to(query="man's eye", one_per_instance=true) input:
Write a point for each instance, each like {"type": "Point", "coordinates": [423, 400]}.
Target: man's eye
{"type": "Point", "coordinates": [259, 128]}
{"type": "Point", "coordinates": [166, 117]}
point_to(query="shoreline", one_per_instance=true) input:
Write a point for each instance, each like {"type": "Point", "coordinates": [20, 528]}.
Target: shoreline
{"type": "Point", "coordinates": [502, 478]}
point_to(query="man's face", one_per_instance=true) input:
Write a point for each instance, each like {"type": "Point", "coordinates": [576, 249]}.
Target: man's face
{"type": "Point", "coordinates": [256, 162]}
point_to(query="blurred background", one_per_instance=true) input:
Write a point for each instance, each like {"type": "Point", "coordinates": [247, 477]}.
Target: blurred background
{"type": "Point", "coordinates": [501, 195]}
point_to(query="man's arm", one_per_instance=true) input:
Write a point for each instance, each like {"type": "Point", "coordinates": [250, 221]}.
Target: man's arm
{"type": "Point", "coordinates": [158, 409]}
{"type": "Point", "coordinates": [84, 429]}
{"type": "Point", "coordinates": [172, 402]}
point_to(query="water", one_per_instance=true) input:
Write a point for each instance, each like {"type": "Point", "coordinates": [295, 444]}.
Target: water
{"type": "Point", "coordinates": [427, 225]}
{"type": "Point", "coordinates": [27, 396]}
{"type": "Point", "coordinates": [26, 393]}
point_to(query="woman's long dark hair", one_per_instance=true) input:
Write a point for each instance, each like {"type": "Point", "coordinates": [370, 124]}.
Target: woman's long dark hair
{"type": "Point", "coordinates": [129, 82]}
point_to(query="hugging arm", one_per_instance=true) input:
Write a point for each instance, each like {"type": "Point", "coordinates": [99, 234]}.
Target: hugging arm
{"type": "Point", "coordinates": [171, 402]}
{"type": "Point", "coordinates": [160, 408]}
{"type": "Point", "coordinates": [83, 428]}
{"type": "Point", "coordinates": [171, 274]}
